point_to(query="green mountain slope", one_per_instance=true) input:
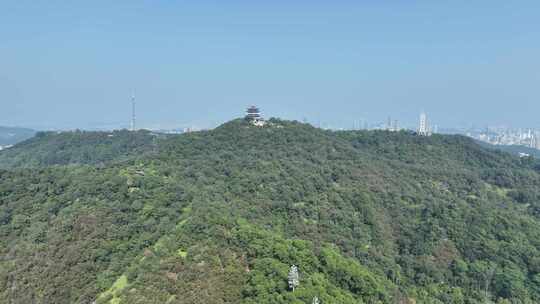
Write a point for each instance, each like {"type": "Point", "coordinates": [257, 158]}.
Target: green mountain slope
{"type": "Point", "coordinates": [221, 216]}
{"type": "Point", "coordinates": [78, 147]}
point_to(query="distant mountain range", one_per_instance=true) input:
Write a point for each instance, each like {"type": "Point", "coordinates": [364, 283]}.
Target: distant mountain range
{"type": "Point", "coordinates": [13, 135]}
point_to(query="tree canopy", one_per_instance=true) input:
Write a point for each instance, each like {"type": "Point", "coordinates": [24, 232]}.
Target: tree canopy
{"type": "Point", "coordinates": [220, 216]}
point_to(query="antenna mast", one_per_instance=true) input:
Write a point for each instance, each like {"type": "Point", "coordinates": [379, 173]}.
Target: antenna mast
{"type": "Point", "coordinates": [133, 113]}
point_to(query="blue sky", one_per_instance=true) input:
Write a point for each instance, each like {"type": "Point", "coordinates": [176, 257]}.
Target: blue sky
{"type": "Point", "coordinates": [76, 64]}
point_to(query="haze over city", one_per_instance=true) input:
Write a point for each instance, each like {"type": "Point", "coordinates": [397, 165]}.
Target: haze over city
{"type": "Point", "coordinates": [77, 65]}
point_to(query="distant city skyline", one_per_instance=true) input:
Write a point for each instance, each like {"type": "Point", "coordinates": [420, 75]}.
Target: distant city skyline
{"type": "Point", "coordinates": [77, 65]}
{"type": "Point", "coordinates": [360, 123]}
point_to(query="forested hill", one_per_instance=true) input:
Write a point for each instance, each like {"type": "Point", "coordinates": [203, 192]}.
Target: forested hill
{"type": "Point", "coordinates": [221, 216]}
{"type": "Point", "coordinates": [77, 147]}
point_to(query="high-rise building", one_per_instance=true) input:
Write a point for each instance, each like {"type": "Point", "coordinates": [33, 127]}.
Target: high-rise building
{"type": "Point", "coordinates": [392, 125]}
{"type": "Point", "coordinates": [533, 141]}
{"type": "Point", "coordinates": [423, 128]}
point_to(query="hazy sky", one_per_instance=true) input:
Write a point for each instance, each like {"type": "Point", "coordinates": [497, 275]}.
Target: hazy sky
{"type": "Point", "coordinates": [77, 63]}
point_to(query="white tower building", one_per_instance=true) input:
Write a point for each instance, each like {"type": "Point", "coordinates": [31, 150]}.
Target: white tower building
{"type": "Point", "coordinates": [423, 128]}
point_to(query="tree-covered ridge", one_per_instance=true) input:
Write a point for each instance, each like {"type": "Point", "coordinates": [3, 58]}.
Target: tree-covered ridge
{"type": "Point", "coordinates": [222, 216]}
{"type": "Point", "coordinates": [77, 147]}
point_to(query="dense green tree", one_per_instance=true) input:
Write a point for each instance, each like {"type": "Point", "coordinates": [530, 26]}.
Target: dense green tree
{"type": "Point", "coordinates": [220, 216]}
